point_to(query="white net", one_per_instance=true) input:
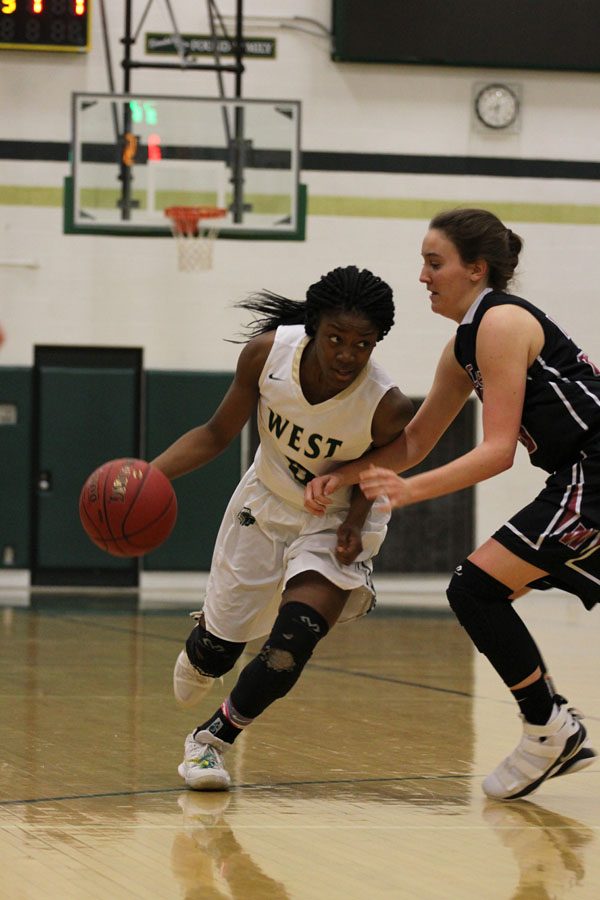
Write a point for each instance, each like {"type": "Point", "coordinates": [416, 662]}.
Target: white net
{"type": "Point", "coordinates": [195, 252]}
{"type": "Point", "coordinates": [195, 233]}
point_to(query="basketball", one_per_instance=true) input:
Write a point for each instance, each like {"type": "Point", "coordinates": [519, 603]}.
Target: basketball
{"type": "Point", "coordinates": [127, 507]}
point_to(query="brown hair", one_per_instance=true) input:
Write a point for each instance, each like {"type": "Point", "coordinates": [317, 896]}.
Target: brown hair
{"type": "Point", "coordinates": [479, 234]}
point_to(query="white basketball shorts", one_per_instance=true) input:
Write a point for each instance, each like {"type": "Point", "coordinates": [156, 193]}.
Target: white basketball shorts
{"type": "Point", "coordinates": [262, 543]}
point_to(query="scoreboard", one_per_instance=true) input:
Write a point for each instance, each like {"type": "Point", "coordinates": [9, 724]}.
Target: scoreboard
{"type": "Point", "coordinates": [554, 35]}
{"type": "Point", "coordinates": [62, 25]}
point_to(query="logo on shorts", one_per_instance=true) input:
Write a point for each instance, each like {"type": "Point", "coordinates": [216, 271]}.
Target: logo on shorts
{"type": "Point", "coordinates": [245, 516]}
{"type": "Point", "coordinates": [577, 537]}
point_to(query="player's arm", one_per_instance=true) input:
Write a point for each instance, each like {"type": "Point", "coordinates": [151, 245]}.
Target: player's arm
{"type": "Point", "coordinates": [390, 418]}
{"type": "Point", "coordinates": [200, 445]}
{"type": "Point", "coordinates": [349, 533]}
{"type": "Point", "coordinates": [506, 340]}
{"type": "Point", "coordinates": [449, 392]}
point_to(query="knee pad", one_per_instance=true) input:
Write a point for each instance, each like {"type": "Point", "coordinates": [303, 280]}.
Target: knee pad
{"type": "Point", "coordinates": [269, 676]}
{"type": "Point", "coordinates": [297, 630]}
{"type": "Point", "coordinates": [209, 654]}
{"type": "Point", "coordinates": [482, 606]}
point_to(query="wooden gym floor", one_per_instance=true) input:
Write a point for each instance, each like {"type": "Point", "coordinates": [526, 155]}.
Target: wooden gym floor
{"type": "Point", "coordinates": [364, 783]}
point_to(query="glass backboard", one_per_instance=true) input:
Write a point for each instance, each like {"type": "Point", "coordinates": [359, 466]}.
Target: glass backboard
{"type": "Point", "coordinates": [134, 155]}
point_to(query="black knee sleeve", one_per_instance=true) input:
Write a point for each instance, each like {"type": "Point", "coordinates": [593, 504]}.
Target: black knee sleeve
{"type": "Point", "coordinates": [209, 654]}
{"type": "Point", "coordinates": [481, 605]}
{"type": "Point", "coordinates": [270, 675]}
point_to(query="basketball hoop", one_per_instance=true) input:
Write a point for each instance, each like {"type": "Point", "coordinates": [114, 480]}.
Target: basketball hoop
{"type": "Point", "coordinates": [195, 241]}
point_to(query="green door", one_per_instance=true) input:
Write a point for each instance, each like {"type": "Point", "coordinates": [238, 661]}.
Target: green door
{"type": "Point", "coordinates": [87, 403]}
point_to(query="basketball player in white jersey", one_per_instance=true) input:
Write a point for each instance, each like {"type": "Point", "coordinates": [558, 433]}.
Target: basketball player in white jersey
{"type": "Point", "coordinates": [276, 569]}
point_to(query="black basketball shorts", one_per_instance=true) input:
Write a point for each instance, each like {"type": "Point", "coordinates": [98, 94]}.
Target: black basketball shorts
{"type": "Point", "coordinates": [559, 531]}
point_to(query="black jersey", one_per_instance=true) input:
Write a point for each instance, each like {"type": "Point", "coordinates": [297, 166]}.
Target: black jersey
{"type": "Point", "coordinates": [561, 411]}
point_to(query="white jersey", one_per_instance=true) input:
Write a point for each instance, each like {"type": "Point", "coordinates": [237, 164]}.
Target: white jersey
{"type": "Point", "coordinates": [298, 439]}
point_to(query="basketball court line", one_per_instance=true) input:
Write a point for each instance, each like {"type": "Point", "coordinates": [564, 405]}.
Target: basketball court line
{"type": "Point", "coordinates": [369, 676]}
{"type": "Point", "coordinates": [259, 786]}
{"type": "Point", "coordinates": [243, 786]}
{"type": "Point", "coordinates": [373, 676]}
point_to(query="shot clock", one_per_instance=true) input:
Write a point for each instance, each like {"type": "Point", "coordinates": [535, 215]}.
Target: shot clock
{"type": "Point", "coordinates": [45, 25]}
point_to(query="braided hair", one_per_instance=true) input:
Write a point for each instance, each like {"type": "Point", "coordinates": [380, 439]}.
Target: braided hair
{"type": "Point", "coordinates": [345, 289]}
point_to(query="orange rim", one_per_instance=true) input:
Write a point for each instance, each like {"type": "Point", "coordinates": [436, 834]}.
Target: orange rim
{"type": "Point", "coordinates": [186, 218]}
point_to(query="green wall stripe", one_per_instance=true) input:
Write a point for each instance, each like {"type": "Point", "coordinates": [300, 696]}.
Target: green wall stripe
{"type": "Point", "coordinates": [364, 207]}
{"type": "Point", "coordinates": [13, 195]}
{"type": "Point", "coordinates": [393, 208]}
{"type": "Point", "coordinates": [107, 198]}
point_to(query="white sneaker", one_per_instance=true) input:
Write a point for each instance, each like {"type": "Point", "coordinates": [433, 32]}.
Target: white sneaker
{"type": "Point", "coordinates": [189, 686]}
{"type": "Point", "coordinates": [541, 752]}
{"type": "Point", "coordinates": [586, 754]}
{"type": "Point", "coordinates": [202, 768]}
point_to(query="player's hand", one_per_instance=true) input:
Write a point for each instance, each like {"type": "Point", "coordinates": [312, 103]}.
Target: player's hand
{"type": "Point", "coordinates": [349, 543]}
{"type": "Point", "coordinates": [394, 490]}
{"type": "Point", "coordinates": [317, 493]}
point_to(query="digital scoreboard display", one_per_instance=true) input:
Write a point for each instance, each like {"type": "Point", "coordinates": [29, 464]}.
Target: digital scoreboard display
{"type": "Point", "coordinates": [45, 25]}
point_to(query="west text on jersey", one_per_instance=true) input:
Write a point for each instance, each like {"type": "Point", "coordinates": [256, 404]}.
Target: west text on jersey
{"type": "Point", "coordinates": [311, 445]}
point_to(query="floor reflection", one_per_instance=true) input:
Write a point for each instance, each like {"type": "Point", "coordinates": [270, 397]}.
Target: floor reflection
{"type": "Point", "coordinates": [548, 847]}
{"type": "Point", "coordinates": [364, 782]}
{"type": "Point", "coordinates": [207, 859]}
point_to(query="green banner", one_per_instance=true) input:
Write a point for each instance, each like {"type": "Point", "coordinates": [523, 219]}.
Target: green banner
{"type": "Point", "coordinates": [163, 43]}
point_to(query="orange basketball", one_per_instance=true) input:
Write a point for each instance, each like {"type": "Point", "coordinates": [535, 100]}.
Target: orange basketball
{"type": "Point", "coordinates": [127, 507]}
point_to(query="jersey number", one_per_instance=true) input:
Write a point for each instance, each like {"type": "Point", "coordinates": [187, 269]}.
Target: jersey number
{"type": "Point", "coordinates": [301, 475]}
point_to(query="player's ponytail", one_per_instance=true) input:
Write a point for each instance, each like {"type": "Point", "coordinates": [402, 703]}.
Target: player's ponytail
{"type": "Point", "coordinates": [270, 311]}
{"type": "Point", "coordinates": [346, 289]}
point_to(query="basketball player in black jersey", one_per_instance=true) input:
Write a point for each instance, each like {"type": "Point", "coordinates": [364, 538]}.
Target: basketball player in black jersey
{"type": "Point", "coordinates": [537, 387]}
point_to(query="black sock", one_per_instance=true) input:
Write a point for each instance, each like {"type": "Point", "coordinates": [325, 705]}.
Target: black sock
{"type": "Point", "coordinates": [221, 723]}
{"type": "Point", "coordinates": [547, 677]}
{"type": "Point", "coordinates": [535, 701]}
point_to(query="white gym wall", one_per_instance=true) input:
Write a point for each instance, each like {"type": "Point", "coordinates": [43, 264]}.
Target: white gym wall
{"type": "Point", "coordinates": [127, 291]}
